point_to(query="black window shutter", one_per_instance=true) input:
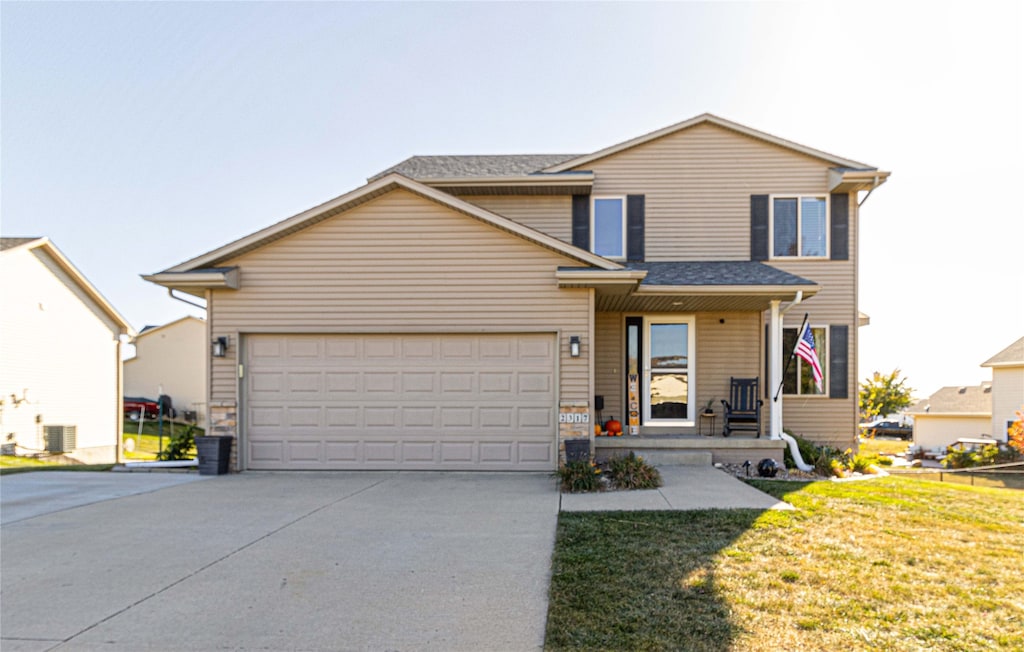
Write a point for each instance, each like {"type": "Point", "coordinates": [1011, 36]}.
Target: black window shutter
{"type": "Point", "coordinates": [840, 226]}
{"type": "Point", "coordinates": [838, 355]}
{"type": "Point", "coordinates": [759, 227]}
{"type": "Point", "coordinates": [581, 221]}
{"type": "Point", "coordinates": [635, 227]}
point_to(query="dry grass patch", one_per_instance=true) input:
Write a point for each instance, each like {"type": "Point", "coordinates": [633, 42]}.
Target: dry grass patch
{"type": "Point", "coordinates": [891, 564]}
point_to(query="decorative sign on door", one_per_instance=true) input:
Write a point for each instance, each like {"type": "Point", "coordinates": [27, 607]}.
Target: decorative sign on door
{"type": "Point", "coordinates": [633, 395]}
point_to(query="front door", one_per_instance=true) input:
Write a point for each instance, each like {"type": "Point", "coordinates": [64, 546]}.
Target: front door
{"type": "Point", "coordinates": [667, 379]}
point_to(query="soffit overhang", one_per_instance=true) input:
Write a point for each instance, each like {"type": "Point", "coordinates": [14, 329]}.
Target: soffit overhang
{"type": "Point", "coordinates": [850, 181]}
{"type": "Point", "coordinates": [197, 282]}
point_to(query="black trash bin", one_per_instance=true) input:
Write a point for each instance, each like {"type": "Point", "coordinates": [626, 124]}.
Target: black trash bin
{"type": "Point", "coordinates": [214, 454]}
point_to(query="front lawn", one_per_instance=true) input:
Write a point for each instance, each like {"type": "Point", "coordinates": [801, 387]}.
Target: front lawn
{"type": "Point", "coordinates": [17, 464]}
{"type": "Point", "coordinates": [888, 564]}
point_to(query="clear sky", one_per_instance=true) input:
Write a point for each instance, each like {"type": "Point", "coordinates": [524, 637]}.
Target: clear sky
{"type": "Point", "coordinates": [139, 135]}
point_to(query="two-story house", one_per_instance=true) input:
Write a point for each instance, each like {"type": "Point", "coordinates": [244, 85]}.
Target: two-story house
{"type": "Point", "coordinates": [469, 312]}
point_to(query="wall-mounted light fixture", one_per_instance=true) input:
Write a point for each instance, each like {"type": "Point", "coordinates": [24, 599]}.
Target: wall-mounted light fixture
{"type": "Point", "coordinates": [219, 346]}
{"type": "Point", "coordinates": [574, 346]}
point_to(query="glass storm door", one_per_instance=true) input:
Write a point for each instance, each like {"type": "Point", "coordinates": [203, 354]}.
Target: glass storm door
{"type": "Point", "coordinates": [667, 379]}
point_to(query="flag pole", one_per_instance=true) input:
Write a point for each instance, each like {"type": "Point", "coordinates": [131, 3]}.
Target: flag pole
{"type": "Point", "coordinates": [789, 360]}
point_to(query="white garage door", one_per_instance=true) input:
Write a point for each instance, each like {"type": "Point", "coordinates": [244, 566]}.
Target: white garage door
{"type": "Point", "coordinates": [454, 401]}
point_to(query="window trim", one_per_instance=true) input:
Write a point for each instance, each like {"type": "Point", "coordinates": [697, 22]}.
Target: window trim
{"type": "Point", "coordinates": [826, 199]}
{"type": "Point", "coordinates": [825, 361]}
{"type": "Point", "coordinates": [623, 221]}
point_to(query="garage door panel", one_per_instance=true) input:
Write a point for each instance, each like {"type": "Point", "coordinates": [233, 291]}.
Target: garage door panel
{"type": "Point", "coordinates": [304, 451]}
{"type": "Point", "coordinates": [500, 382]}
{"type": "Point", "coordinates": [300, 349]}
{"type": "Point", "coordinates": [419, 383]}
{"type": "Point", "coordinates": [342, 451]}
{"type": "Point", "coordinates": [401, 401]}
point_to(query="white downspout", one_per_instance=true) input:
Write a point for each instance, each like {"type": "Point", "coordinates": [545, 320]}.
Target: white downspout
{"type": "Point", "coordinates": [775, 380]}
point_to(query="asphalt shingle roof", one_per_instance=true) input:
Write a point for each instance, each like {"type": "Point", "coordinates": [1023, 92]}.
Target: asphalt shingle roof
{"type": "Point", "coordinates": [11, 243]}
{"type": "Point", "coordinates": [1013, 354]}
{"type": "Point", "coordinates": [742, 272]}
{"type": "Point", "coordinates": [447, 167]}
{"type": "Point", "coordinates": [956, 400]}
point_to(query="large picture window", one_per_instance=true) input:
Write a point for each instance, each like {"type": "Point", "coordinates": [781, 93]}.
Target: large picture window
{"type": "Point", "coordinates": [799, 227]}
{"type": "Point", "coordinates": [798, 378]}
{"type": "Point", "coordinates": [608, 227]}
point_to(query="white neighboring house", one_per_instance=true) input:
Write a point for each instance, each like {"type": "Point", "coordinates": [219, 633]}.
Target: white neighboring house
{"type": "Point", "coordinates": [1007, 387]}
{"type": "Point", "coordinates": [170, 359]}
{"type": "Point", "coordinates": [60, 356]}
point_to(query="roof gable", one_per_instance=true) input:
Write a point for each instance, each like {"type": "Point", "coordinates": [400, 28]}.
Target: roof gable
{"type": "Point", "coordinates": [371, 191]}
{"type": "Point", "coordinates": [53, 256]}
{"type": "Point", "coordinates": [706, 118]}
{"type": "Point", "coordinates": [1011, 356]}
{"type": "Point", "coordinates": [149, 330]}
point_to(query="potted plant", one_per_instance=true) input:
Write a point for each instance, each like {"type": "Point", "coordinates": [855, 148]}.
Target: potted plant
{"type": "Point", "coordinates": [707, 406]}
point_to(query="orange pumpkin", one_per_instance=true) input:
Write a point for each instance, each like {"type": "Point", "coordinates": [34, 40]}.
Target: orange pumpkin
{"type": "Point", "coordinates": [613, 427]}
{"type": "Point", "coordinates": [597, 428]}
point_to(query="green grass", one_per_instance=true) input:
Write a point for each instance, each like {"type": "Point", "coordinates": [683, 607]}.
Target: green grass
{"type": "Point", "coordinates": [147, 445]}
{"type": "Point", "coordinates": [882, 446]}
{"type": "Point", "coordinates": [890, 564]}
{"type": "Point", "coordinates": [10, 464]}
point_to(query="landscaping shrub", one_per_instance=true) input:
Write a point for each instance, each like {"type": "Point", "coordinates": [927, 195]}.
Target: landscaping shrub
{"type": "Point", "coordinates": [987, 455]}
{"type": "Point", "coordinates": [580, 476]}
{"type": "Point", "coordinates": [632, 472]}
{"type": "Point", "coordinates": [180, 446]}
{"type": "Point", "coordinates": [808, 450]}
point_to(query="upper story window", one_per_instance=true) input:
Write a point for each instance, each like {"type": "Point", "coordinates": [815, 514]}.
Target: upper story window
{"type": "Point", "coordinates": [608, 227]}
{"type": "Point", "coordinates": [799, 226]}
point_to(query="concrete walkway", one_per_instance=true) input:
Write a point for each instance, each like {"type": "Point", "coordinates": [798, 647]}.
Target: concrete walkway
{"type": "Point", "coordinates": [288, 561]}
{"type": "Point", "coordinates": [685, 488]}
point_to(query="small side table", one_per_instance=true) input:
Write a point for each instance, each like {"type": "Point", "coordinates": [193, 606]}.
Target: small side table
{"type": "Point", "coordinates": [709, 420]}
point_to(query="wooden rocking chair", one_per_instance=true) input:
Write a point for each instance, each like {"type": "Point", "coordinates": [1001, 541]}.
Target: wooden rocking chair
{"type": "Point", "coordinates": [743, 409]}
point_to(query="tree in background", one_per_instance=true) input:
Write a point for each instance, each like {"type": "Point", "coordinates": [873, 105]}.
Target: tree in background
{"type": "Point", "coordinates": [883, 394]}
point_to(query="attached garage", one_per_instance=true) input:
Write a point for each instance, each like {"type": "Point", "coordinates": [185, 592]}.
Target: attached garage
{"type": "Point", "coordinates": [401, 401]}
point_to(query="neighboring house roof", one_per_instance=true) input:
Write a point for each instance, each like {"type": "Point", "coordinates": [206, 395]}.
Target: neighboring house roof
{"type": "Point", "coordinates": [707, 118]}
{"type": "Point", "coordinates": [8, 245]}
{"type": "Point", "coordinates": [11, 243]}
{"type": "Point", "coordinates": [152, 329]}
{"type": "Point", "coordinates": [956, 401]}
{"type": "Point", "coordinates": [360, 196]}
{"type": "Point", "coordinates": [716, 273]}
{"type": "Point", "coordinates": [502, 165]}
{"type": "Point", "coordinates": [1011, 356]}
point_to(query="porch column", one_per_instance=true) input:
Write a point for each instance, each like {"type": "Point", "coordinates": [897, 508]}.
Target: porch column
{"type": "Point", "coordinates": [775, 369]}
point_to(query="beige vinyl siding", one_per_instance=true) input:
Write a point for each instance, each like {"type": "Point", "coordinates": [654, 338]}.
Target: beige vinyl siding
{"type": "Point", "coordinates": [1007, 397]}
{"type": "Point", "coordinates": [550, 214]}
{"type": "Point", "coordinates": [401, 263]}
{"type": "Point", "coordinates": [698, 183]}
{"type": "Point", "coordinates": [822, 419]}
{"type": "Point", "coordinates": [171, 360]}
{"type": "Point", "coordinates": [935, 432]}
{"type": "Point", "coordinates": [609, 363]}
{"type": "Point", "coordinates": [724, 350]}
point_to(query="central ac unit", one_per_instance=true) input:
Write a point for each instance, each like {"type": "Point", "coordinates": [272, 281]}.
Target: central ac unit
{"type": "Point", "coordinates": [59, 439]}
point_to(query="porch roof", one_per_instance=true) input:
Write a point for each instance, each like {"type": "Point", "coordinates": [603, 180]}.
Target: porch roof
{"type": "Point", "coordinates": [689, 286]}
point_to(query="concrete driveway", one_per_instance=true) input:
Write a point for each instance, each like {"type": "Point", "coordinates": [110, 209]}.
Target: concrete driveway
{"type": "Point", "coordinates": [288, 561]}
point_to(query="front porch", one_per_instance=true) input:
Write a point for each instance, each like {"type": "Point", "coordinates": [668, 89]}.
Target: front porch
{"type": "Point", "coordinates": [685, 449]}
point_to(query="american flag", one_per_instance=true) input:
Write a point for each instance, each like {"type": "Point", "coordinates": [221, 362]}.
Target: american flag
{"type": "Point", "coordinates": [805, 351]}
